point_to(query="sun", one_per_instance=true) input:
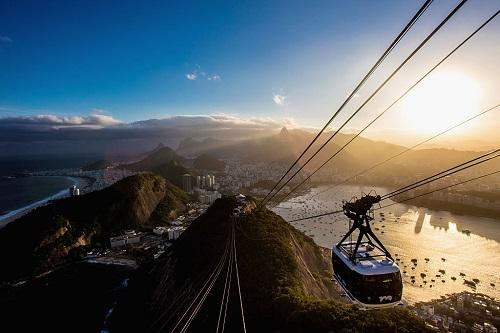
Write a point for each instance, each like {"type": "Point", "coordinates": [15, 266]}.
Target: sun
{"type": "Point", "coordinates": [441, 101]}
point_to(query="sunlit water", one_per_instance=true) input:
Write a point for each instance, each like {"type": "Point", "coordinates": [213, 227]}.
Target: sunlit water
{"type": "Point", "coordinates": [409, 233]}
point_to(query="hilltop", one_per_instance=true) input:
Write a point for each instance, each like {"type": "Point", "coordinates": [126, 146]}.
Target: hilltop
{"type": "Point", "coordinates": [208, 162]}
{"type": "Point", "coordinates": [97, 165]}
{"type": "Point", "coordinates": [48, 235]}
{"type": "Point", "coordinates": [157, 158]}
{"type": "Point", "coordinates": [173, 171]}
{"type": "Point", "coordinates": [285, 281]}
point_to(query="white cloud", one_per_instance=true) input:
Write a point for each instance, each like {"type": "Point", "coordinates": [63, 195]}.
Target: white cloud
{"type": "Point", "coordinates": [279, 99]}
{"type": "Point", "coordinates": [57, 122]}
{"type": "Point", "coordinates": [214, 77]}
{"type": "Point", "coordinates": [198, 74]}
{"type": "Point", "coordinates": [5, 39]}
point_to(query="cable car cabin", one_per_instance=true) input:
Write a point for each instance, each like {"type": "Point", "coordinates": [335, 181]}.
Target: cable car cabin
{"type": "Point", "coordinates": [369, 277]}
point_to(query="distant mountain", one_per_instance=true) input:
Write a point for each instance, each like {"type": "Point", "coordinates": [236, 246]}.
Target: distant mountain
{"type": "Point", "coordinates": [97, 165]}
{"type": "Point", "coordinates": [157, 158]}
{"type": "Point", "coordinates": [208, 162]}
{"type": "Point", "coordinates": [47, 235]}
{"type": "Point", "coordinates": [192, 147]}
{"type": "Point", "coordinates": [284, 277]}
{"type": "Point", "coordinates": [172, 171]}
{"type": "Point", "coordinates": [359, 154]}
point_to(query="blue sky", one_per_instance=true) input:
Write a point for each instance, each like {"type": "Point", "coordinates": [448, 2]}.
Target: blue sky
{"type": "Point", "coordinates": [131, 60]}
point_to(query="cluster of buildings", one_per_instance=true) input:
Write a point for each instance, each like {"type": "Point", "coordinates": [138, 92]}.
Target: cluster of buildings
{"type": "Point", "coordinates": [457, 195]}
{"type": "Point", "coordinates": [128, 237]}
{"type": "Point", "coordinates": [190, 183]}
{"type": "Point", "coordinates": [90, 181]}
{"type": "Point", "coordinates": [204, 189]}
{"type": "Point", "coordinates": [462, 198]}
{"type": "Point", "coordinates": [238, 175]}
{"type": "Point", "coordinates": [171, 233]}
{"type": "Point", "coordinates": [73, 191]}
{"type": "Point", "coordinates": [464, 312]}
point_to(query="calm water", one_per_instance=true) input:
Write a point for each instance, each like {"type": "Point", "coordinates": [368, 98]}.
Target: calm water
{"type": "Point", "coordinates": [20, 192]}
{"type": "Point", "coordinates": [411, 232]}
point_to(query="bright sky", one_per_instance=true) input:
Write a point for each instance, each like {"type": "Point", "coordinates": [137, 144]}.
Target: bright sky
{"type": "Point", "coordinates": [279, 59]}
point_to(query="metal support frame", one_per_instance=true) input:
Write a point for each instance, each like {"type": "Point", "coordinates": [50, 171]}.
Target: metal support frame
{"type": "Point", "coordinates": [360, 211]}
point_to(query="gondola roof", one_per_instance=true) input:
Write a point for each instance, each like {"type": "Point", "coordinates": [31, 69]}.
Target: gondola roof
{"type": "Point", "coordinates": [367, 264]}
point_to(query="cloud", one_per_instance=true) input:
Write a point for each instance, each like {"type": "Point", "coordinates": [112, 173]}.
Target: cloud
{"type": "Point", "coordinates": [279, 99]}
{"type": "Point", "coordinates": [214, 77]}
{"type": "Point", "coordinates": [195, 75]}
{"type": "Point", "coordinates": [97, 132]}
{"type": "Point", "coordinates": [48, 121]}
{"type": "Point", "coordinates": [5, 39]}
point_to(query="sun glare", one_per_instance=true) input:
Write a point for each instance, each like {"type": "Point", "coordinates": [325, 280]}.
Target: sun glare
{"type": "Point", "coordinates": [441, 101]}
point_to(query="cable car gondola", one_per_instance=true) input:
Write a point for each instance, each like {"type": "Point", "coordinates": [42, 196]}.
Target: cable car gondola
{"type": "Point", "coordinates": [363, 268]}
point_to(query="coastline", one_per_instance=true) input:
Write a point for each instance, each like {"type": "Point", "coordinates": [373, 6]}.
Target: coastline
{"type": "Point", "coordinates": [455, 208]}
{"type": "Point", "coordinates": [17, 213]}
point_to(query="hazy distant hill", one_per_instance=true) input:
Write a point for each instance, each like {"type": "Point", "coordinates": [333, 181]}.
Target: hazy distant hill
{"type": "Point", "coordinates": [47, 235]}
{"type": "Point", "coordinates": [157, 158]}
{"type": "Point", "coordinates": [191, 147]}
{"type": "Point", "coordinates": [283, 147]}
{"type": "Point", "coordinates": [207, 162]}
{"type": "Point", "coordinates": [97, 165]}
{"type": "Point", "coordinates": [285, 282]}
{"type": "Point", "coordinates": [360, 154]}
{"type": "Point", "coordinates": [172, 171]}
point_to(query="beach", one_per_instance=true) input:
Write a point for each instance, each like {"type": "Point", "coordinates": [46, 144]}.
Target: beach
{"type": "Point", "coordinates": [56, 187]}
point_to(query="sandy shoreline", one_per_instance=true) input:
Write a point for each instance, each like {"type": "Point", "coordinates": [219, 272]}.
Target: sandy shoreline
{"type": "Point", "coordinates": [17, 213]}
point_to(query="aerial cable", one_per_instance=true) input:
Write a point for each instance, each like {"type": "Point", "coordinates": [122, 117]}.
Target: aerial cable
{"type": "Point", "coordinates": [405, 151]}
{"type": "Point", "coordinates": [453, 12]}
{"type": "Point", "coordinates": [383, 112]}
{"type": "Point", "coordinates": [445, 173]}
{"type": "Point", "coordinates": [441, 175]}
{"type": "Point", "coordinates": [440, 189]}
{"type": "Point", "coordinates": [353, 93]}
{"type": "Point", "coordinates": [238, 281]}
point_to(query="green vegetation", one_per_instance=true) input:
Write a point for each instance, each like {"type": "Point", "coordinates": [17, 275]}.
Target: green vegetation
{"type": "Point", "coordinates": [284, 280]}
{"type": "Point", "coordinates": [46, 236]}
{"type": "Point", "coordinates": [172, 171]}
{"type": "Point", "coordinates": [277, 298]}
{"type": "Point", "coordinates": [207, 162]}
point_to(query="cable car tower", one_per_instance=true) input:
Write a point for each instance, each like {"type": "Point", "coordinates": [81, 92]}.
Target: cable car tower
{"type": "Point", "coordinates": [361, 213]}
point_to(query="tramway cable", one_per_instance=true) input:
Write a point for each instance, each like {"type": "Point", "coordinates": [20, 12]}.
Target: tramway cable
{"type": "Point", "coordinates": [408, 26]}
{"type": "Point", "coordinates": [405, 151]}
{"type": "Point", "coordinates": [440, 25]}
{"type": "Point", "coordinates": [389, 107]}
{"type": "Point", "coordinates": [460, 167]}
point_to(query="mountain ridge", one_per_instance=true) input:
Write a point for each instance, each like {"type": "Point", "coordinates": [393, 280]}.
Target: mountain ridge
{"type": "Point", "coordinates": [46, 237]}
{"type": "Point", "coordinates": [285, 281]}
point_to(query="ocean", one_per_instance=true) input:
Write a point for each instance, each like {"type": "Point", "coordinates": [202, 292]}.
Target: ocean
{"type": "Point", "coordinates": [20, 192]}
{"type": "Point", "coordinates": [411, 232]}
{"type": "Point", "coordinates": [13, 165]}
